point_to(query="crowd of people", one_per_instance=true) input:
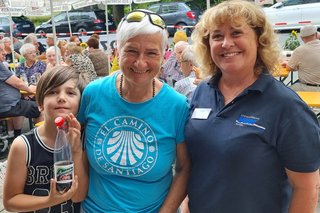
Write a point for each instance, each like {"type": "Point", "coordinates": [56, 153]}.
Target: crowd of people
{"type": "Point", "coordinates": [199, 125]}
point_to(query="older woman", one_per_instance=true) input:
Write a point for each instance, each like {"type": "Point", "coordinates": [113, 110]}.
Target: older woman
{"type": "Point", "coordinates": [31, 68]}
{"type": "Point", "coordinates": [254, 144]}
{"type": "Point", "coordinates": [133, 131]}
{"type": "Point", "coordinates": [51, 57]}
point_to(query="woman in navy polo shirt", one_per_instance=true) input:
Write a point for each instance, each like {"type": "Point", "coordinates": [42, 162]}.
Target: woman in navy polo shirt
{"type": "Point", "coordinates": [254, 144]}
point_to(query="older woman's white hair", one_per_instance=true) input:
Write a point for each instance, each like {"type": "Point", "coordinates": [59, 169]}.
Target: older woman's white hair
{"type": "Point", "coordinates": [188, 55]}
{"type": "Point", "coordinates": [52, 50]}
{"type": "Point", "coordinates": [127, 30]}
{"type": "Point", "coordinates": [26, 48]}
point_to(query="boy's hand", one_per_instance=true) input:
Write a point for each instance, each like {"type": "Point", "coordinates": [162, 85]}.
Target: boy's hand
{"type": "Point", "coordinates": [55, 197]}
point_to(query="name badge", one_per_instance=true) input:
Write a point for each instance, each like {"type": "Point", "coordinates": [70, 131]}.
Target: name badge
{"type": "Point", "coordinates": [201, 113]}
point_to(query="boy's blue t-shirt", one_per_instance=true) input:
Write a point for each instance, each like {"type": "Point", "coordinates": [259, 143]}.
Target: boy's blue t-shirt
{"type": "Point", "coordinates": [130, 146]}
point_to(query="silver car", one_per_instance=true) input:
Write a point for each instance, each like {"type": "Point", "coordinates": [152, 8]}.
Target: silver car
{"type": "Point", "coordinates": [293, 14]}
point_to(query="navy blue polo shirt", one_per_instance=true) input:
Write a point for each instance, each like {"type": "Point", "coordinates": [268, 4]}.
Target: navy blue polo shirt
{"type": "Point", "coordinates": [239, 154]}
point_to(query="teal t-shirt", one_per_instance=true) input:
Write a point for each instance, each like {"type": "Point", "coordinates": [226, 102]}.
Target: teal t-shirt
{"type": "Point", "coordinates": [130, 146]}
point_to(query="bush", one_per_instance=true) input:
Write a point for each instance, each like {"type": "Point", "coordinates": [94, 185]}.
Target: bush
{"type": "Point", "coordinates": [37, 20]}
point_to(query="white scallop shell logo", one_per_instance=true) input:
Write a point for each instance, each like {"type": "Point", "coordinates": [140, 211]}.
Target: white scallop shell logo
{"type": "Point", "coordinates": [125, 148]}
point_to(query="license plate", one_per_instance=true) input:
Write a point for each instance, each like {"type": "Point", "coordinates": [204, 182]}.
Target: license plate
{"type": "Point", "coordinates": [26, 25]}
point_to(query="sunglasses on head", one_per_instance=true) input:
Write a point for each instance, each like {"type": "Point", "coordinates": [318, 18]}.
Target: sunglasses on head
{"type": "Point", "coordinates": [138, 15]}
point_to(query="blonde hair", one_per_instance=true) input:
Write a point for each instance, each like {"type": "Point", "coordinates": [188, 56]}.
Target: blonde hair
{"type": "Point", "coordinates": [235, 12]}
{"type": "Point", "coordinates": [73, 48]}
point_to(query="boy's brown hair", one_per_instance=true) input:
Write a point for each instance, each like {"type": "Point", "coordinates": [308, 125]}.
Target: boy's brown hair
{"type": "Point", "coordinates": [56, 77]}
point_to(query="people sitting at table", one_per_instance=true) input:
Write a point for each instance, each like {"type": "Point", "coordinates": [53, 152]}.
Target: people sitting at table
{"type": "Point", "coordinates": [51, 57]}
{"type": "Point", "coordinates": [11, 104]}
{"type": "Point", "coordinates": [75, 58]}
{"type": "Point", "coordinates": [32, 67]}
{"type": "Point", "coordinates": [188, 66]}
{"type": "Point", "coordinates": [306, 60]}
{"type": "Point", "coordinates": [98, 57]}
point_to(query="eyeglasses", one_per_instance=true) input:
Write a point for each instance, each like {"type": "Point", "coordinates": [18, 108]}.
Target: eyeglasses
{"type": "Point", "coordinates": [138, 15]}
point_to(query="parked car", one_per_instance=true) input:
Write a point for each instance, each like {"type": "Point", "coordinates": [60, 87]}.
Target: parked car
{"type": "Point", "coordinates": [293, 14]}
{"type": "Point", "coordinates": [81, 21]}
{"type": "Point", "coordinates": [21, 25]}
{"type": "Point", "coordinates": [175, 14]}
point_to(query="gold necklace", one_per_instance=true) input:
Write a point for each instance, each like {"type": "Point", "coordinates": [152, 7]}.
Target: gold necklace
{"type": "Point", "coordinates": [153, 86]}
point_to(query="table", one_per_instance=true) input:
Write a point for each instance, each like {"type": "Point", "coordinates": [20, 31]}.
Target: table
{"type": "Point", "coordinates": [282, 73]}
{"type": "Point", "coordinates": [312, 99]}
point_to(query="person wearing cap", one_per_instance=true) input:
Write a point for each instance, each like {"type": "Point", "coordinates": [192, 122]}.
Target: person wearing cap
{"type": "Point", "coordinates": [305, 59]}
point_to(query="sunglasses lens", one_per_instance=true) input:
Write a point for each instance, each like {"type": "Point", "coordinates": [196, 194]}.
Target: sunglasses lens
{"type": "Point", "coordinates": [156, 20]}
{"type": "Point", "coordinates": [135, 16]}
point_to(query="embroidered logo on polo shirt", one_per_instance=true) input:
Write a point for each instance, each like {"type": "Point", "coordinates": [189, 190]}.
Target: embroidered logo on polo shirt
{"type": "Point", "coordinates": [245, 120]}
{"type": "Point", "coordinates": [126, 146]}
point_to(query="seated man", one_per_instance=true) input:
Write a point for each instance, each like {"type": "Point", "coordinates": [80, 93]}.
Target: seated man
{"type": "Point", "coordinates": [11, 104]}
{"type": "Point", "coordinates": [305, 59]}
